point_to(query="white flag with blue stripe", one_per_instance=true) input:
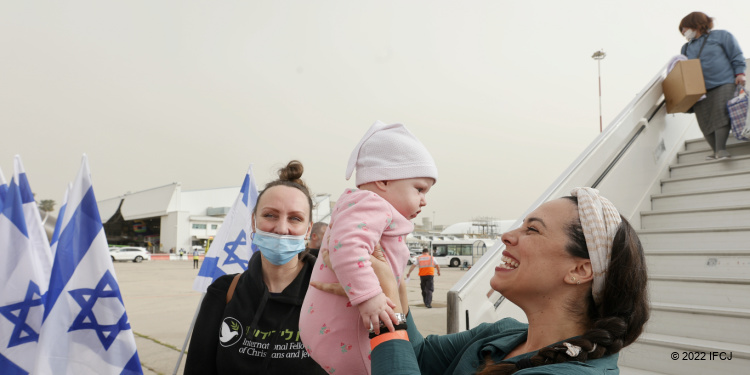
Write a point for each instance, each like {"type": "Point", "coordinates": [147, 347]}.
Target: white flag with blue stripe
{"type": "Point", "coordinates": [85, 328]}
{"type": "Point", "coordinates": [231, 249]}
{"type": "Point", "coordinates": [3, 189]}
{"type": "Point", "coordinates": [58, 223]}
{"type": "Point", "coordinates": [22, 285]}
{"type": "Point", "coordinates": [37, 234]}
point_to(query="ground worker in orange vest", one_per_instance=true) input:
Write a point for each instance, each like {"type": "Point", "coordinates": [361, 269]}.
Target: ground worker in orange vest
{"type": "Point", "coordinates": [427, 267]}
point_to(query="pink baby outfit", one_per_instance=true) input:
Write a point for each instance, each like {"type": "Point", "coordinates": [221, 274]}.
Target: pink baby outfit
{"type": "Point", "coordinates": [330, 325]}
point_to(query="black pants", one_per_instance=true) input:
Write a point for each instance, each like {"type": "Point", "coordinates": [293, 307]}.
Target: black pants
{"type": "Point", "coordinates": [428, 286]}
{"type": "Point", "coordinates": [195, 263]}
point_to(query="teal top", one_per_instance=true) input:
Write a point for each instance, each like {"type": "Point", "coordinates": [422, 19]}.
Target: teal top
{"type": "Point", "coordinates": [464, 352]}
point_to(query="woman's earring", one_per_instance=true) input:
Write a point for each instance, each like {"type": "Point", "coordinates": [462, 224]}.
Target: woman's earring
{"type": "Point", "coordinates": [573, 279]}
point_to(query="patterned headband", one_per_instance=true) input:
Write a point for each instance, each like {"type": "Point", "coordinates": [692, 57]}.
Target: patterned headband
{"type": "Point", "coordinates": [600, 221]}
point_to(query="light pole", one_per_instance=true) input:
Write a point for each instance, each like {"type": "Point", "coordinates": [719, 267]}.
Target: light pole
{"type": "Point", "coordinates": [598, 56]}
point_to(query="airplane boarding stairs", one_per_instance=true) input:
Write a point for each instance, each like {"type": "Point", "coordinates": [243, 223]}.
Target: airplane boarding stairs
{"type": "Point", "coordinates": [694, 220]}
{"type": "Point", "coordinates": [697, 243]}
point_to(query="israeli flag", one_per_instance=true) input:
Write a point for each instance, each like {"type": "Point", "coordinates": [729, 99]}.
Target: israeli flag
{"type": "Point", "coordinates": [85, 327]}
{"type": "Point", "coordinates": [58, 223]}
{"type": "Point", "coordinates": [34, 225]}
{"type": "Point", "coordinates": [231, 249]}
{"type": "Point", "coordinates": [3, 189]}
{"type": "Point", "coordinates": [22, 285]}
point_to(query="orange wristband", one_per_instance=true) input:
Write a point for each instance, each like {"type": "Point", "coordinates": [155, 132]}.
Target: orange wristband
{"type": "Point", "coordinates": [396, 335]}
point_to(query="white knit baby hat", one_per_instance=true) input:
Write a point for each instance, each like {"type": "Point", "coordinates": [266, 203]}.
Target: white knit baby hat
{"type": "Point", "coordinates": [390, 152]}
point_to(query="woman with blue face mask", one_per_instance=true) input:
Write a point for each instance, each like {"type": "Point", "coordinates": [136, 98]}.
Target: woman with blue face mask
{"type": "Point", "coordinates": [723, 66]}
{"type": "Point", "coordinates": [249, 323]}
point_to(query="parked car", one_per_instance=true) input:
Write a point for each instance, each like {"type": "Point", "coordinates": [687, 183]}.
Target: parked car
{"type": "Point", "coordinates": [135, 254]}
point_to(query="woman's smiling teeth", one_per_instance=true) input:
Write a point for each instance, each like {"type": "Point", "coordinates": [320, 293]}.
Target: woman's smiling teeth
{"type": "Point", "coordinates": [509, 263]}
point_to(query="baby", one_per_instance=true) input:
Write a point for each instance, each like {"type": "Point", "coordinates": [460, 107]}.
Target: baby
{"type": "Point", "coordinates": [394, 173]}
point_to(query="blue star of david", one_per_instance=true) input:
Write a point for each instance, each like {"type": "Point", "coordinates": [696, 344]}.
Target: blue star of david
{"type": "Point", "coordinates": [22, 332]}
{"type": "Point", "coordinates": [86, 319]}
{"type": "Point", "coordinates": [231, 247]}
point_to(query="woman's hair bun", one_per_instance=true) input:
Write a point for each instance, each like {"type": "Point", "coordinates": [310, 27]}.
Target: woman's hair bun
{"type": "Point", "coordinates": [292, 172]}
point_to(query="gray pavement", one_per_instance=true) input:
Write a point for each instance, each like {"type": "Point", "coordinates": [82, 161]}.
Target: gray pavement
{"type": "Point", "coordinates": [161, 303]}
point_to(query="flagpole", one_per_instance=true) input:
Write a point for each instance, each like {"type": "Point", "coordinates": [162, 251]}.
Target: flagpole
{"type": "Point", "coordinates": [230, 251]}
{"type": "Point", "coordinates": [187, 338]}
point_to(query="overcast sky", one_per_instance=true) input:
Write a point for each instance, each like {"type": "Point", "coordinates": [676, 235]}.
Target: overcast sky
{"type": "Point", "coordinates": [503, 93]}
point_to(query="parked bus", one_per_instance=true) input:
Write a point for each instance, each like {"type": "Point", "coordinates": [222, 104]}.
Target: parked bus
{"type": "Point", "coordinates": [454, 253]}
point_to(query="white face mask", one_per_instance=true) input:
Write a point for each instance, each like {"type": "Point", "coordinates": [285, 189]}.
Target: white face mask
{"type": "Point", "coordinates": [689, 34]}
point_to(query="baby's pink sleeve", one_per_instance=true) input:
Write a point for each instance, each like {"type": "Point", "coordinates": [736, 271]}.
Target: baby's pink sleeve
{"type": "Point", "coordinates": [353, 236]}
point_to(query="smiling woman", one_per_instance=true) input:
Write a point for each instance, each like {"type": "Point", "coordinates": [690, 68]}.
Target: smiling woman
{"type": "Point", "coordinates": [577, 270]}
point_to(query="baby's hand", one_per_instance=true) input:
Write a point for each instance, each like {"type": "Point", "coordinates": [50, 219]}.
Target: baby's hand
{"type": "Point", "coordinates": [377, 309]}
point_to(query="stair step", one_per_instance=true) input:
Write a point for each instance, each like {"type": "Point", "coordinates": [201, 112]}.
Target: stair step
{"type": "Point", "coordinates": [708, 253]}
{"type": "Point", "coordinates": [624, 370]}
{"type": "Point", "coordinates": [702, 279]}
{"type": "Point", "coordinates": [695, 239]}
{"type": "Point", "coordinates": [728, 216]}
{"type": "Point", "coordinates": [697, 245]}
{"type": "Point", "coordinates": [701, 144]}
{"type": "Point", "coordinates": [726, 311]}
{"type": "Point", "coordinates": [703, 292]}
{"type": "Point", "coordinates": [702, 199]}
{"type": "Point", "coordinates": [697, 144]}
{"type": "Point", "coordinates": [742, 351]}
{"type": "Point", "coordinates": [733, 179]}
{"type": "Point", "coordinates": [700, 322]}
{"type": "Point", "coordinates": [699, 265]}
{"type": "Point", "coordinates": [699, 168]}
{"type": "Point", "coordinates": [654, 352]}
{"type": "Point", "coordinates": [699, 154]}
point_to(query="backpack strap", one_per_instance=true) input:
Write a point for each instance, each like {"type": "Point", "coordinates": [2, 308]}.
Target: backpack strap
{"type": "Point", "coordinates": [703, 45]}
{"type": "Point", "coordinates": [684, 47]}
{"type": "Point", "coordinates": [232, 287]}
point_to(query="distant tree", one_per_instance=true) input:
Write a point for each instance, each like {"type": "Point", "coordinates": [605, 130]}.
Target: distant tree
{"type": "Point", "coordinates": [47, 205]}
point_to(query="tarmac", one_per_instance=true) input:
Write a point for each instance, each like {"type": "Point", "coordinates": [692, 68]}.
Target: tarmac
{"type": "Point", "coordinates": [161, 303]}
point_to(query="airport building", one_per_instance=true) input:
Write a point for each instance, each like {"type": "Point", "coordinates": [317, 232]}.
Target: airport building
{"type": "Point", "coordinates": [166, 217]}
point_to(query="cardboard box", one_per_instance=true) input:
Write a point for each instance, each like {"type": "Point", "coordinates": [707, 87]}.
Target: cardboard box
{"type": "Point", "coordinates": [683, 86]}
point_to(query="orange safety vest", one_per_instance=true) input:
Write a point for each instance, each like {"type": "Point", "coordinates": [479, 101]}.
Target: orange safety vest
{"type": "Point", "coordinates": [426, 265]}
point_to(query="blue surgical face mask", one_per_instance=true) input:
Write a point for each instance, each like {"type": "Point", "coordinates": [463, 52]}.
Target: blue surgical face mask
{"type": "Point", "coordinates": [276, 248]}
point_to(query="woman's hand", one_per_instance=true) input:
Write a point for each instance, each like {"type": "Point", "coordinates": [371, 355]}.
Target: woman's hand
{"type": "Point", "coordinates": [333, 288]}
{"type": "Point", "coordinates": [382, 271]}
{"type": "Point", "coordinates": [739, 80]}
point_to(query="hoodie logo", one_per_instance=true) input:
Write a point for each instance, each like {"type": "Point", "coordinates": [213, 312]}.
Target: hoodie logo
{"type": "Point", "coordinates": [230, 333]}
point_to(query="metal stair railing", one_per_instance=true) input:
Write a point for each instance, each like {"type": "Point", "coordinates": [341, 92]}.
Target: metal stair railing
{"type": "Point", "coordinates": [625, 162]}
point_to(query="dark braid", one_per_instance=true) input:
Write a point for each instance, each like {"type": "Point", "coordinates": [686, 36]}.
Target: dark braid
{"type": "Point", "coordinates": [618, 320]}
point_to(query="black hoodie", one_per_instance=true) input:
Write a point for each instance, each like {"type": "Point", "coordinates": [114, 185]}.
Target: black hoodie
{"type": "Point", "coordinates": [257, 332]}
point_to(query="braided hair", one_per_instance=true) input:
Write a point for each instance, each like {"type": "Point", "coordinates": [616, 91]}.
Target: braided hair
{"type": "Point", "coordinates": [613, 324]}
